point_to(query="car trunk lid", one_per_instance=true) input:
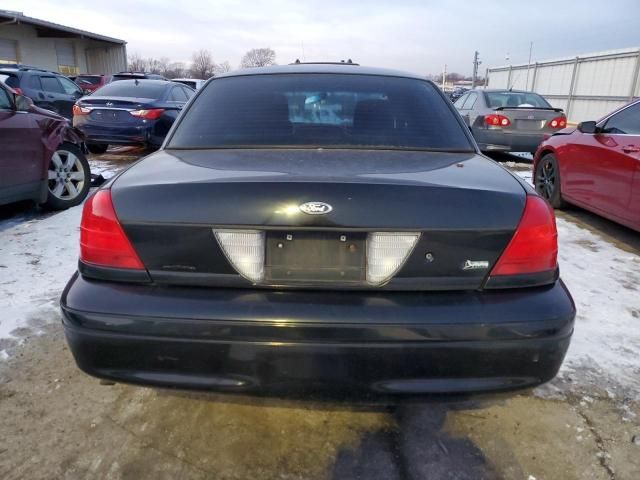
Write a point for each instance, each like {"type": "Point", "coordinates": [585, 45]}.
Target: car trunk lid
{"type": "Point", "coordinates": [463, 207]}
{"type": "Point", "coordinates": [529, 119]}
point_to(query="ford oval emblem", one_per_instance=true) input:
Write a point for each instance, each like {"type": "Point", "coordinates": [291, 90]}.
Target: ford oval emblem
{"type": "Point", "coordinates": [315, 208]}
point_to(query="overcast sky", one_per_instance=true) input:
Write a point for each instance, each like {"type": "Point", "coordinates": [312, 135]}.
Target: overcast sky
{"type": "Point", "coordinates": [418, 36]}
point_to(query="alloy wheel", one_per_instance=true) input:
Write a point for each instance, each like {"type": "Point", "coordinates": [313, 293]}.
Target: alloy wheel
{"type": "Point", "coordinates": [546, 179]}
{"type": "Point", "coordinates": [66, 175]}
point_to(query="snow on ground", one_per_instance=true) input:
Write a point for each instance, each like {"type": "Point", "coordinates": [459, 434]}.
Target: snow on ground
{"type": "Point", "coordinates": [39, 255]}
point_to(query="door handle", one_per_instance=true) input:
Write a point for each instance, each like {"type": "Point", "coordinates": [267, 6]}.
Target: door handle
{"type": "Point", "coordinates": [631, 149]}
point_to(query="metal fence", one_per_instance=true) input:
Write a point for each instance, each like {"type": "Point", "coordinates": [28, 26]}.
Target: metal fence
{"type": "Point", "coordinates": [586, 87]}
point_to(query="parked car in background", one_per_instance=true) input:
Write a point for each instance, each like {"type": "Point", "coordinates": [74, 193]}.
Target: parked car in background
{"type": "Point", "coordinates": [194, 83]}
{"type": "Point", "coordinates": [41, 155]}
{"type": "Point", "coordinates": [595, 166]}
{"type": "Point", "coordinates": [90, 83]}
{"type": "Point", "coordinates": [130, 112]}
{"type": "Point", "coordinates": [509, 120]}
{"type": "Point", "coordinates": [457, 93]}
{"type": "Point", "coordinates": [137, 75]}
{"type": "Point", "coordinates": [319, 227]}
{"type": "Point", "coordinates": [48, 90]}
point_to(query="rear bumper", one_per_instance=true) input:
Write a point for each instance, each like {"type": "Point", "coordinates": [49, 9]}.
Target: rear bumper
{"type": "Point", "coordinates": [298, 342]}
{"type": "Point", "coordinates": [497, 140]}
{"type": "Point", "coordinates": [118, 134]}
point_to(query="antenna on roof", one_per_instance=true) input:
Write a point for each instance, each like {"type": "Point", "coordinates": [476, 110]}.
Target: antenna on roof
{"type": "Point", "coordinates": [297, 60]}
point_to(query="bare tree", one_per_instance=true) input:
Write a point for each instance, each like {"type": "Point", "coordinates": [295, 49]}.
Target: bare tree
{"type": "Point", "coordinates": [221, 68]}
{"type": "Point", "coordinates": [136, 63]}
{"type": "Point", "coordinates": [202, 65]}
{"type": "Point", "coordinates": [258, 57]}
{"type": "Point", "coordinates": [175, 70]}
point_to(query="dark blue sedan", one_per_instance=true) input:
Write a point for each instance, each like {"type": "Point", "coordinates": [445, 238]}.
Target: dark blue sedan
{"type": "Point", "coordinates": [130, 112]}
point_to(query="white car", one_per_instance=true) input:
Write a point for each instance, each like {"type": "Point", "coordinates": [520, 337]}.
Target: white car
{"type": "Point", "coordinates": [195, 83]}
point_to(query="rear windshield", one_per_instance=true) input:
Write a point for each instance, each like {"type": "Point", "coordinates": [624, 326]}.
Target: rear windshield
{"type": "Point", "coordinates": [187, 83]}
{"type": "Point", "coordinates": [88, 79]}
{"type": "Point", "coordinates": [320, 110]}
{"type": "Point", "coordinates": [133, 88]}
{"type": "Point", "coordinates": [515, 100]}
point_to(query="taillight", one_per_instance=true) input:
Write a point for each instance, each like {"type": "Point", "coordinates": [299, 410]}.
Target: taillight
{"type": "Point", "coordinates": [151, 114]}
{"type": "Point", "coordinates": [386, 253]}
{"type": "Point", "coordinates": [496, 120]}
{"type": "Point", "coordinates": [102, 239]}
{"type": "Point", "coordinates": [18, 90]}
{"type": "Point", "coordinates": [534, 246]}
{"type": "Point", "coordinates": [558, 122]}
{"type": "Point", "coordinates": [245, 251]}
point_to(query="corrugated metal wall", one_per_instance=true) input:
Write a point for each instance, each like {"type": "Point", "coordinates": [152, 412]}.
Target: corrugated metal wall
{"type": "Point", "coordinates": [587, 87]}
{"type": "Point", "coordinates": [112, 59]}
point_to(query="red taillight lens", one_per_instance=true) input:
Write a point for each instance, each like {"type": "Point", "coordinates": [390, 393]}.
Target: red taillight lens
{"type": "Point", "coordinates": [102, 240]}
{"type": "Point", "coordinates": [152, 114]}
{"type": "Point", "coordinates": [18, 90]}
{"type": "Point", "coordinates": [495, 120]}
{"type": "Point", "coordinates": [558, 122]}
{"type": "Point", "coordinates": [78, 110]}
{"type": "Point", "coordinates": [534, 246]}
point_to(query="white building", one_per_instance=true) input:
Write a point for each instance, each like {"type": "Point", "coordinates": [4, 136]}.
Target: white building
{"type": "Point", "coordinates": [70, 51]}
{"type": "Point", "coordinates": [586, 86]}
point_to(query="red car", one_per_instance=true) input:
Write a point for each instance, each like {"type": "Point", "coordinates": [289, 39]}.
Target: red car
{"type": "Point", "coordinates": [595, 166]}
{"type": "Point", "coordinates": [41, 155]}
{"type": "Point", "coordinates": [90, 83]}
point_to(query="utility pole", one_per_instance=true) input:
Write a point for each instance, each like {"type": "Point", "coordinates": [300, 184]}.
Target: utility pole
{"type": "Point", "coordinates": [476, 64]}
{"type": "Point", "coordinates": [444, 77]}
{"type": "Point", "coordinates": [528, 66]}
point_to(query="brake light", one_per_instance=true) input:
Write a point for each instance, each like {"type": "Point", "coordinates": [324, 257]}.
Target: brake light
{"type": "Point", "coordinates": [534, 246]}
{"type": "Point", "coordinates": [558, 122]}
{"type": "Point", "coordinates": [102, 239]}
{"type": "Point", "coordinates": [18, 90]}
{"type": "Point", "coordinates": [151, 114]}
{"type": "Point", "coordinates": [496, 120]}
{"type": "Point", "coordinates": [78, 110]}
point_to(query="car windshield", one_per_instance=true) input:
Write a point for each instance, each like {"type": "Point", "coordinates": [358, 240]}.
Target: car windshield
{"type": "Point", "coordinates": [133, 88]}
{"type": "Point", "coordinates": [516, 99]}
{"type": "Point", "coordinates": [320, 110]}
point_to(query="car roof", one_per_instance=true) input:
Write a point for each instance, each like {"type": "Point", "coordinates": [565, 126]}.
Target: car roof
{"type": "Point", "coordinates": [326, 68]}
{"type": "Point", "coordinates": [188, 80]}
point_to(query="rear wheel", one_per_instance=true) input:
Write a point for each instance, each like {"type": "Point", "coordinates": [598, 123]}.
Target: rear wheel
{"type": "Point", "coordinates": [97, 148]}
{"type": "Point", "coordinates": [548, 180]}
{"type": "Point", "coordinates": [69, 178]}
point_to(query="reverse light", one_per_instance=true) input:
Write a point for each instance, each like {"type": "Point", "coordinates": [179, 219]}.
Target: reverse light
{"type": "Point", "coordinates": [534, 246]}
{"type": "Point", "coordinates": [150, 114]}
{"type": "Point", "coordinates": [558, 122]}
{"type": "Point", "coordinates": [102, 239]}
{"type": "Point", "coordinates": [78, 110]}
{"type": "Point", "coordinates": [244, 250]}
{"type": "Point", "coordinates": [386, 253]}
{"type": "Point", "coordinates": [496, 120]}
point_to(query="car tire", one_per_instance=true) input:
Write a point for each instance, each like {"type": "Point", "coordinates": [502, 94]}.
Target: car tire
{"type": "Point", "coordinates": [69, 178]}
{"type": "Point", "coordinates": [97, 148]}
{"type": "Point", "coordinates": [548, 180]}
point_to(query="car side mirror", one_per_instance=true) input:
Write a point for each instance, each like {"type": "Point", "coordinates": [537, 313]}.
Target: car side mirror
{"type": "Point", "coordinates": [23, 104]}
{"type": "Point", "coordinates": [587, 127]}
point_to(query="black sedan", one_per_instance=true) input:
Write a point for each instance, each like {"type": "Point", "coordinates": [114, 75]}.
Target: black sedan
{"type": "Point", "coordinates": [130, 112]}
{"type": "Point", "coordinates": [319, 228]}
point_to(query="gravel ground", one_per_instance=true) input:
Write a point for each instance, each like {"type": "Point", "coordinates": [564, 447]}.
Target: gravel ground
{"type": "Point", "coordinates": [57, 422]}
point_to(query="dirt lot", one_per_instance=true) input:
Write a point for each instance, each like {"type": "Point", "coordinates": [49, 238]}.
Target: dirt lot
{"type": "Point", "coordinates": [56, 422]}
